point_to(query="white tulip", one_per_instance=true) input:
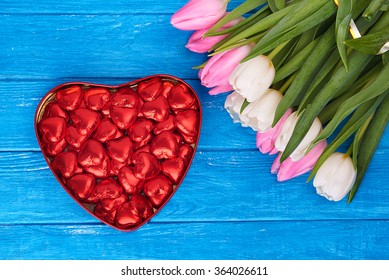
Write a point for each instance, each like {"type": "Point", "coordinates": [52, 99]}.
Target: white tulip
{"type": "Point", "coordinates": [287, 131]}
{"type": "Point", "coordinates": [233, 104]}
{"type": "Point", "coordinates": [335, 177]}
{"type": "Point", "coordinates": [253, 77]}
{"type": "Point", "coordinates": [260, 113]}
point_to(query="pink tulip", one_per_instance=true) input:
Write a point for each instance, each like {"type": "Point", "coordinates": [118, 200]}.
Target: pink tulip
{"type": "Point", "coordinates": [218, 69]}
{"type": "Point", "coordinates": [266, 140]}
{"type": "Point", "coordinates": [199, 14]}
{"type": "Point", "coordinates": [198, 44]}
{"type": "Point", "coordinates": [290, 169]}
{"type": "Point", "coordinates": [220, 89]}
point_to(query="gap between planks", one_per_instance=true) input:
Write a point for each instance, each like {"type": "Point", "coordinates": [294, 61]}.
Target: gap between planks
{"type": "Point", "coordinates": [198, 222]}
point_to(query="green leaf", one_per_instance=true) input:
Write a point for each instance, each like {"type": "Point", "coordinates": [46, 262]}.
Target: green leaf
{"type": "Point", "coordinates": [358, 6]}
{"type": "Point", "coordinates": [260, 26]}
{"type": "Point", "coordinates": [372, 9]}
{"type": "Point", "coordinates": [282, 55]}
{"type": "Point", "coordinates": [293, 24]}
{"type": "Point", "coordinates": [344, 10]}
{"type": "Point", "coordinates": [276, 5]}
{"type": "Point", "coordinates": [369, 143]}
{"type": "Point", "coordinates": [376, 88]}
{"type": "Point", "coordinates": [354, 123]}
{"type": "Point", "coordinates": [298, 14]}
{"type": "Point", "coordinates": [295, 62]}
{"type": "Point", "coordinates": [329, 111]}
{"type": "Point", "coordinates": [324, 75]}
{"type": "Point", "coordinates": [253, 39]}
{"type": "Point", "coordinates": [308, 71]}
{"type": "Point", "coordinates": [280, 4]}
{"type": "Point", "coordinates": [347, 10]}
{"type": "Point", "coordinates": [343, 32]}
{"type": "Point", "coordinates": [273, 6]}
{"type": "Point", "coordinates": [305, 39]}
{"type": "Point", "coordinates": [257, 16]}
{"type": "Point", "coordinates": [339, 82]}
{"type": "Point", "coordinates": [371, 43]}
{"type": "Point", "coordinates": [245, 7]}
{"type": "Point", "coordinates": [357, 139]}
{"type": "Point", "coordinates": [225, 42]}
{"type": "Point", "coordinates": [364, 25]}
{"type": "Point", "coordinates": [381, 23]}
{"type": "Point", "coordinates": [385, 58]}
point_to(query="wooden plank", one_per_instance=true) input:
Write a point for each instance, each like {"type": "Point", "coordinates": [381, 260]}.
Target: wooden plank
{"type": "Point", "coordinates": [19, 101]}
{"type": "Point", "coordinates": [258, 240]}
{"type": "Point", "coordinates": [227, 186]}
{"type": "Point", "coordinates": [93, 46]}
{"type": "Point", "coordinates": [95, 7]}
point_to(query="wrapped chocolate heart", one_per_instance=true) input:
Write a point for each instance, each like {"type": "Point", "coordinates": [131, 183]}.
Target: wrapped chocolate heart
{"type": "Point", "coordinates": [122, 151]}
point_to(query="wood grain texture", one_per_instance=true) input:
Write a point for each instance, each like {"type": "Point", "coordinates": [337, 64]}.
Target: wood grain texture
{"type": "Point", "coordinates": [229, 205]}
{"type": "Point", "coordinates": [94, 6]}
{"type": "Point", "coordinates": [20, 100]}
{"type": "Point", "coordinates": [220, 186]}
{"type": "Point", "coordinates": [93, 46]}
{"type": "Point", "coordinates": [239, 240]}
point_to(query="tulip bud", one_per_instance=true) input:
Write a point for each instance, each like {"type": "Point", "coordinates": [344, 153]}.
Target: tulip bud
{"type": "Point", "coordinates": [290, 169]}
{"type": "Point", "coordinates": [266, 140]}
{"type": "Point", "coordinates": [233, 105]}
{"type": "Point", "coordinates": [199, 44]}
{"type": "Point", "coordinates": [260, 113]}
{"type": "Point", "coordinates": [199, 14]}
{"type": "Point", "coordinates": [286, 134]}
{"type": "Point", "coordinates": [217, 70]}
{"type": "Point", "coordinates": [253, 77]}
{"type": "Point", "coordinates": [220, 89]}
{"type": "Point", "coordinates": [335, 177]}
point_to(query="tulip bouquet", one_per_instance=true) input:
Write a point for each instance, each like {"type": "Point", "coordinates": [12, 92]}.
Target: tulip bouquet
{"type": "Point", "coordinates": [308, 76]}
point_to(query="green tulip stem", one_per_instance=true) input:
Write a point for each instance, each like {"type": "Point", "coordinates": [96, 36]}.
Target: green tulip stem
{"type": "Point", "coordinates": [254, 40]}
{"type": "Point", "coordinates": [358, 137]}
{"type": "Point", "coordinates": [369, 142]}
{"type": "Point", "coordinates": [372, 9]}
{"type": "Point", "coordinates": [286, 85]}
{"type": "Point", "coordinates": [349, 150]}
{"type": "Point", "coordinates": [276, 50]}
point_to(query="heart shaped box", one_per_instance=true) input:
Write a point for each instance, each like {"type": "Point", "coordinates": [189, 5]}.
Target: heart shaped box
{"type": "Point", "coordinates": [50, 97]}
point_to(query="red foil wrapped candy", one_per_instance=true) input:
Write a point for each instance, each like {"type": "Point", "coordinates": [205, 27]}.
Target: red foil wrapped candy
{"type": "Point", "coordinates": [120, 151]}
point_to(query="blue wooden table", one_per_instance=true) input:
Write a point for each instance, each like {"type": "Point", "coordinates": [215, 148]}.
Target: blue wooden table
{"type": "Point", "coordinates": [229, 205]}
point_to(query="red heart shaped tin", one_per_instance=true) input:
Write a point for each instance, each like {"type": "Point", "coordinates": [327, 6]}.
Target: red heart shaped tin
{"type": "Point", "coordinates": [120, 151]}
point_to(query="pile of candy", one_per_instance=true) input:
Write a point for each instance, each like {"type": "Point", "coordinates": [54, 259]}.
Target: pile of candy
{"type": "Point", "coordinates": [122, 151]}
